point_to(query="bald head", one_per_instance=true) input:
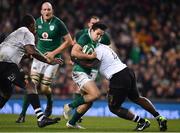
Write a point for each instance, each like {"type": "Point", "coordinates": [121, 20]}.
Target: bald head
{"type": "Point", "coordinates": [46, 11]}
{"type": "Point", "coordinates": [46, 4]}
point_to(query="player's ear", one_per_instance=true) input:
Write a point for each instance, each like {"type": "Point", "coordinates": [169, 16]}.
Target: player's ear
{"type": "Point", "coordinates": [91, 30]}
{"type": "Point", "coordinates": [41, 11]}
{"type": "Point", "coordinates": [32, 28]}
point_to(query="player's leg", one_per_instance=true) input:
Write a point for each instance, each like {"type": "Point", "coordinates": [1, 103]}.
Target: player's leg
{"type": "Point", "coordinates": [17, 78]}
{"type": "Point", "coordinates": [36, 69]}
{"type": "Point", "coordinates": [22, 115]}
{"type": "Point", "coordinates": [85, 83]}
{"type": "Point", "coordinates": [8, 72]}
{"type": "Point", "coordinates": [76, 95]}
{"type": "Point", "coordinates": [36, 77]}
{"type": "Point", "coordinates": [5, 91]}
{"type": "Point", "coordinates": [79, 112]}
{"type": "Point", "coordinates": [92, 93]}
{"type": "Point", "coordinates": [46, 90]}
{"type": "Point", "coordinates": [34, 101]}
{"type": "Point", "coordinates": [145, 103]}
{"type": "Point", "coordinates": [148, 106]}
{"type": "Point", "coordinates": [89, 87]}
{"type": "Point", "coordinates": [119, 89]}
{"type": "Point", "coordinates": [115, 99]}
{"type": "Point", "coordinates": [49, 74]}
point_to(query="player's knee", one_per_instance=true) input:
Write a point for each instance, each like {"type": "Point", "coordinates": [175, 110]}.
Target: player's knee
{"type": "Point", "coordinates": [45, 89]}
{"type": "Point", "coordinates": [96, 95]}
{"type": "Point", "coordinates": [30, 88]}
{"type": "Point", "coordinates": [119, 111]}
{"type": "Point", "coordinates": [45, 86]}
{"type": "Point", "coordinates": [113, 108]}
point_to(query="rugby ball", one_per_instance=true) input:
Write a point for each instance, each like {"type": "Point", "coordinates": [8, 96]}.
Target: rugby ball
{"type": "Point", "coordinates": [88, 49]}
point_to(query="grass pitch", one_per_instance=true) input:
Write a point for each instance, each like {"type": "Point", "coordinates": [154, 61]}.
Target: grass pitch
{"type": "Point", "coordinates": [92, 124]}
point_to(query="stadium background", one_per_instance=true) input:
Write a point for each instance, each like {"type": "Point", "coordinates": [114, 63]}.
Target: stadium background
{"type": "Point", "coordinates": [145, 33]}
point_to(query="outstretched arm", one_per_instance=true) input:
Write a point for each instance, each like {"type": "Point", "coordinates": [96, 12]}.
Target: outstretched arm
{"type": "Point", "coordinates": [67, 43]}
{"type": "Point", "coordinates": [31, 50]}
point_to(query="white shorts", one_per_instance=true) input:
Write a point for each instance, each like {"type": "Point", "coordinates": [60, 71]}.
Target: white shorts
{"type": "Point", "coordinates": [81, 78]}
{"type": "Point", "coordinates": [44, 68]}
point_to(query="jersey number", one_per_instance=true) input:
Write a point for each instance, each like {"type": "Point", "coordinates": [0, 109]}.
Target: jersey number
{"type": "Point", "coordinates": [114, 55]}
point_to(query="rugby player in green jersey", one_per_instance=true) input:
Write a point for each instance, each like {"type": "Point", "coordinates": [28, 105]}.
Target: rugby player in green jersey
{"type": "Point", "coordinates": [53, 39]}
{"type": "Point", "coordinates": [105, 39]}
{"type": "Point", "coordinates": [82, 76]}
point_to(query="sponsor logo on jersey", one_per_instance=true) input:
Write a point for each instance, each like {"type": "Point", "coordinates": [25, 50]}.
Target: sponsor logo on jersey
{"type": "Point", "coordinates": [39, 26]}
{"type": "Point", "coordinates": [45, 35]}
{"type": "Point", "coordinates": [51, 27]}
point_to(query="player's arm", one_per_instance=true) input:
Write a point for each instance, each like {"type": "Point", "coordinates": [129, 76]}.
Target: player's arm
{"type": "Point", "coordinates": [67, 42]}
{"type": "Point", "coordinates": [76, 52]}
{"type": "Point", "coordinates": [88, 64]}
{"type": "Point", "coordinates": [105, 39]}
{"type": "Point", "coordinates": [31, 50]}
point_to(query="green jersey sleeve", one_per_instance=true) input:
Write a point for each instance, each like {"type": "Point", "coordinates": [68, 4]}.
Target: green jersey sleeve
{"type": "Point", "coordinates": [105, 39]}
{"type": "Point", "coordinates": [80, 33]}
{"type": "Point", "coordinates": [83, 40]}
{"type": "Point", "coordinates": [62, 29]}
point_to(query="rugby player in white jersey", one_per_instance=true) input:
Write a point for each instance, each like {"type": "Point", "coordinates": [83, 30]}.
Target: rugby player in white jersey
{"type": "Point", "coordinates": [122, 85]}
{"type": "Point", "coordinates": [13, 48]}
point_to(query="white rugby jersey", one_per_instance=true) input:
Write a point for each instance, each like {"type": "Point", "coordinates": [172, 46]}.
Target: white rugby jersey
{"type": "Point", "coordinates": [110, 62]}
{"type": "Point", "coordinates": [12, 49]}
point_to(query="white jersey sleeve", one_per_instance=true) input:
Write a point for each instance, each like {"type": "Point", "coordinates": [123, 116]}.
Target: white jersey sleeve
{"type": "Point", "coordinates": [12, 49]}
{"type": "Point", "coordinates": [99, 54]}
{"type": "Point", "coordinates": [28, 38]}
{"type": "Point", "coordinates": [110, 62]}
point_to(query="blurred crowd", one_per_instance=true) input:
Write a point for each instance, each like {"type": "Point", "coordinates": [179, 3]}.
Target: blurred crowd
{"type": "Point", "coordinates": [146, 34]}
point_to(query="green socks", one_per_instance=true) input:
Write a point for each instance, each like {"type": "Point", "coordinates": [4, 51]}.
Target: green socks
{"type": "Point", "coordinates": [77, 102]}
{"type": "Point", "coordinates": [75, 118]}
{"type": "Point", "coordinates": [25, 105]}
{"type": "Point", "coordinates": [76, 95]}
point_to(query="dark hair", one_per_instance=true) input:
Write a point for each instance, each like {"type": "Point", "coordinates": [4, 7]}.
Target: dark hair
{"type": "Point", "coordinates": [27, 20]}
{"type": "Point", "coordinates": [99, 25]}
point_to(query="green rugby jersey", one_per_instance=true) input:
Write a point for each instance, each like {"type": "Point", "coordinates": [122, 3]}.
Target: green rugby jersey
{"type": "Point", "coordinates": [104, 39]}
{"type": "Point", "coordinates": [50, 34]}
{"type": "Point", "coordinates": [85, 39]}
